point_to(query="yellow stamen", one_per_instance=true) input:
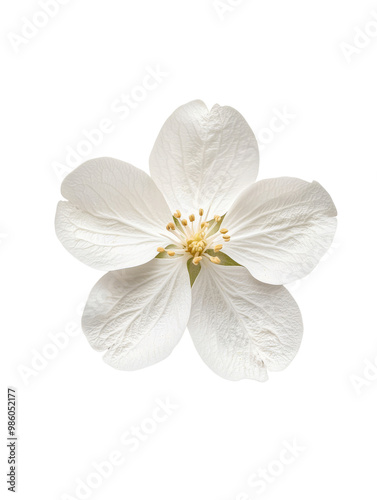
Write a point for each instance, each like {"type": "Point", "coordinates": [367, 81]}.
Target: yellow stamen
{"type": "Point", "coordinates": [195, 238]}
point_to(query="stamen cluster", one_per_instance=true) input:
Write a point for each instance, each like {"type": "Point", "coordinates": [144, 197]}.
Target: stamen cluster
{"type": "Point", "coordinates": [195, 239]}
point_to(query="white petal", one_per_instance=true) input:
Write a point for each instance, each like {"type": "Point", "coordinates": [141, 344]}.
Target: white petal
{"type": "Point", "coordinates": [139, 314]}
{"type": "Point", "coordinates": [203, 159]}
{"type": "Point", "coordinates": [114, 215]}
{"type": "Point", "coordinates": [242, 327]}
{"type": "Point", "coordinates": [280, 228]}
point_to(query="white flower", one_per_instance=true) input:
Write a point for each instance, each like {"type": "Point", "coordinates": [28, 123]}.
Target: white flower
{"type": "Point", "coordinates": [238, 241]}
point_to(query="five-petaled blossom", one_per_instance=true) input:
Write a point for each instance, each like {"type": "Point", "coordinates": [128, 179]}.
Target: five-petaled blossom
{"type": "Point", "coordinates": [197, 244]}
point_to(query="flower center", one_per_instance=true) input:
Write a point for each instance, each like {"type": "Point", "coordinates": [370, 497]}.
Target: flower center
{"type": "Point", "coordinates": [196, 245]}
{"type": "Point", "coordinates": [195, 239]}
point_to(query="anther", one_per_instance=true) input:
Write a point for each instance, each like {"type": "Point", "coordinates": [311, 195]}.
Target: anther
{"type": "Point", "coordinates": [196, 260]}
{"type": "Point", "coordinates": [184, 222]}
{"type": "Point", "coordinates": [218, 248]}
{"type": "Point", "coordinates": [226, 238]}
{"type": "Point", "coordinates": [223, 231]}
{"type": "Point", "coordinates": [217, 218]}
{"type": "Point", "coordinates": [171, 253]}
{"type": "Point", "coordinates": [177, 214]}
{"type": "Point", "coordinates": [201, 212]}
{"type": "Point", "coordinates": [192, 217]}
{"type": "Point", "coordinates": [172, 226]}
{"type": "Point", "coordinates": [160, 249]}
{"type": "Point", "coordinates": [215, 260]}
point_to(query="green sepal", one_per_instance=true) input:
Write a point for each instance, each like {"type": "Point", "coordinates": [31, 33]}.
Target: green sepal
{"type": "Point", "coordinates": [193, 271]}
{"type": "Point", "coordinates": [225, 260]}
{"type": "Point", "coordinates": [178, 224]}
{"type": "Point", "coordinates": [164, 255]}
{"type": "Point", "coordinates": [216, 227]}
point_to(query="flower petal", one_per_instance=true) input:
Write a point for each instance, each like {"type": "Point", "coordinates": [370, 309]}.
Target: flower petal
{"type": "Point", "coordinates": [114, 215]}
{"type": "Point", "coordinates": [139, 314]}
{"type": "Point", "coordinates": [240, 326]}
{"type": "Point", "coordinates": [280, 228]}
{"type": "Point", "coordinates": [203, 159]}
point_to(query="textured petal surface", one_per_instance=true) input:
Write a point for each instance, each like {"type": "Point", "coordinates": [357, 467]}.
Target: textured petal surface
{"type": "Point", "coordinates": [139, 314]}
{"type": "Point", "coordinates": [242, 327]}
{"type": "Point", "coordinates": [280, 228]}
{"type": "Point", "coordinates": [203, 159]}
{"type": "Point", "coordinates": [114, 215]}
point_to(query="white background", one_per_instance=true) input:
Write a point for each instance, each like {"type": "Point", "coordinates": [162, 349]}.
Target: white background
{"type": "Point", "coordinates": [261, 57]}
